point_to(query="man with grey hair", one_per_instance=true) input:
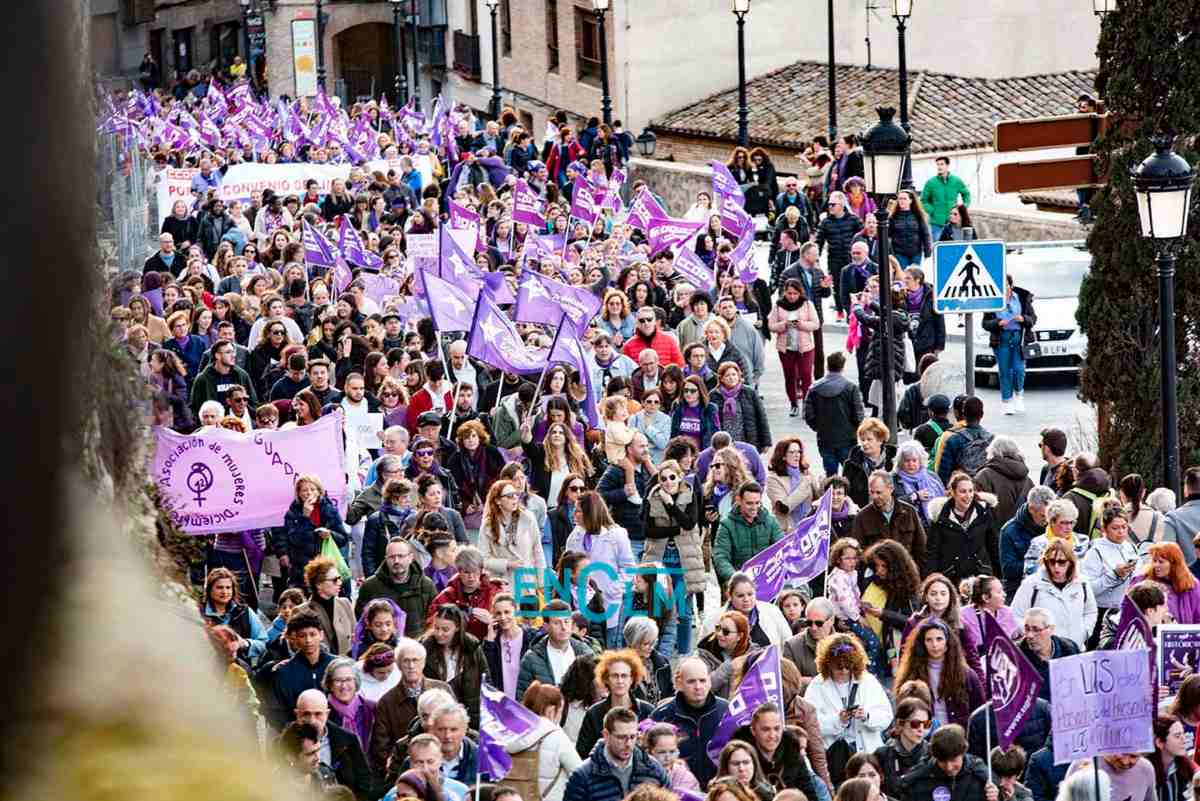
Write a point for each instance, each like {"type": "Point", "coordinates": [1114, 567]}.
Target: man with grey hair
{"type": "Point", "coordinates": [399, 706]}
{"type": "Point", "coordinates": [1028, 522]}
{"type": "Point", "coordinates": [837, 230]}
{"type": "Point", "coordinates": [888, 517]}
{"type": "Point", "coordinates": [1004, 475]}
{"type": "Point", "coordinates": [340, 750]}
{"type": "Point", "coordinates": [462, 371]}
{"type": "Point", "coordinates": [1041, 645]}
{"type": "Point", "coordinates": [818, 624]}
{"type": "Point", "coordinates": [448, 723]}
{"type": "Point", "coordinates": [471, 590]}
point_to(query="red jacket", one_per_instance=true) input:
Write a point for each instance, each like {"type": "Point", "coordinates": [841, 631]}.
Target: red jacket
{"type": "Point", "coordinates": [663, 343]}
{"type": "Point", "coordinates": [422, 402]}
{"type": "Point", "coordinates": [555, 161]}
{"type": "Point", "coordinates": [480, 599]}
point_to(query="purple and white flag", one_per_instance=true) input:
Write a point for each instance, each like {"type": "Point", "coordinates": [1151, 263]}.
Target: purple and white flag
{"type": "Point", "coordinates": [544, 300]}
{"type": "Point", "coordinates": [567, 349]}
{"type": "Point", "coordinates": [723, 182]}
{"type": "Point", "coordinates": [461, 217]}
{"type": "Point", "coordinates": [220, 480]}
{"type": "Point", "coordinates": [501, 722]}
{"type": "Point", "coordinates": [734, 218]}
{"type": "Point", "coordinates": [450, 307]}
{"type": "Point", "coordinates": [352, 248]}
{"type": "Point", "coordinates": [317, 249]}
{"type": "Point", "coordinates": [342, 276]}
{"type": "Point", "coordinates": [612, 198]}
{"type": "Point", "coordinates": [762, 683]}
{"type": "Point", "coordinates": [1013, 683]}
{"type": "Point", "coordinates": [742, 258]}
{"type": "Point", "coordinates": [494, 341]}
{"type": "Point", "coordinates": [668, 233]}
{"type": "Point", "coordinates": [799, 556]}
{"type": "Point", "coordinates": [379, 287]}
{"type": "Point", "coordinates": [697, 273]}
{"type": "Point", "coordinates": [1134, 632]}
{"type": "Point", "coordinates": [527, 208]}
{"type": "Point", "coordinates": [644, 209]}
{"type": "Point", "coordinates": [583, 200]}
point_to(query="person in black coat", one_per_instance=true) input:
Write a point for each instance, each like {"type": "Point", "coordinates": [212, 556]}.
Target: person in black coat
{"type": "Point", "coordinates": [927, 329]}
{"type": "Point", "coordinates": [338, 201]}
{"type": "Point", "coordinates": [213, 224]}
{"type": "Point", "coordinates": [909, 230]}
{"type": "Point", "coordinates": [181, 226]}
{"type": "Point", "coordinates": [870, 320]}
{"type": "Point", "coordinates": [837, 231]}
{"type": "Point", "coordinates": [302, 538]}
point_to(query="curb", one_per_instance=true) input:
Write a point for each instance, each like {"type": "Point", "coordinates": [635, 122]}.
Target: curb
{"type": "Point", "coordinates": [842, 328]}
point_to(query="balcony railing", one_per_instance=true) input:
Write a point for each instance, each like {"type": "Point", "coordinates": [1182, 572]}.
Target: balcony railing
{"type": "Point", "coordinates": [466, 56]}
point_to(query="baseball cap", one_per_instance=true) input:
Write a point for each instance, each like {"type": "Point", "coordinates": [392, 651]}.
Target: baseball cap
{"type": "Point", "coordinates": [429, 419]}
{"type": "Point", "coordinates": [938, 404]}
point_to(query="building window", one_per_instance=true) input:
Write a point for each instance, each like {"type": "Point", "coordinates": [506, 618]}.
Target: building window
{"type": "Point", "coordinates": [552, 35]}
{"type": "Point", "coordinates": [505, 27]}
{"type": "Point", "coordinates": [587, 47]}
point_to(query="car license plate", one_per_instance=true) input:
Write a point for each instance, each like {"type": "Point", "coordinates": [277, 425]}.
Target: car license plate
{"type": "Point", "coordinates": [1054, 350]}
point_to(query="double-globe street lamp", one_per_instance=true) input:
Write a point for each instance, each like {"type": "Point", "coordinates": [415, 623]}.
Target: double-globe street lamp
{"type": "Point", "coordinates": [885, 154]}
{"type": "Point", "coordinates": [1163, 184]}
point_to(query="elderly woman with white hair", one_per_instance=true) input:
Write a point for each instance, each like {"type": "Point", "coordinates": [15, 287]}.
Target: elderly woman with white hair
{"type": "Point", "coordinates": [641, 635]}
{"type": "Point", "coordinates": [347, 707]}
{"type": "Point", "coordinates": [1061, 515]}
{"type": "Point", "coordinates": [914, 481]}
{"type": "Point", "coordinates": [1006, 476]}
{"type": "Point", "coordinates": [210, 415]}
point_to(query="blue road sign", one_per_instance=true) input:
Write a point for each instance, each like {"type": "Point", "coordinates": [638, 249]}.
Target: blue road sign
{"type": "Point", "coordinates": [968, 276]}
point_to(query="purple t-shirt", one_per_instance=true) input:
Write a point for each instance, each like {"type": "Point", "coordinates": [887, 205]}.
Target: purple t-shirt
{"type": "Point", "coordinates": [689, 424]}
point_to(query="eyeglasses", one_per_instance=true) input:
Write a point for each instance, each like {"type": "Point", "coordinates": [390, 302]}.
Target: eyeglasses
{"type": "Point", "coordinates": [508, 495]}
{"type": "Point", "coordinates": [670, 477]}
{"type": "Point", "coordinates": [346, 680]}
{"type": "Point", "coordinates": [728, 632]}
{"type": "Point", "coordinates": [1058, 561]}
{"type": "Point", "coordinates": [332, 579]}
{"type": "Point", "coordinates": [918, 725]}
{"type": "Point", "coordinates": [1035, 629]}
{"type": "Point", "coordinates": [576, 488]}
{"type": "Point", "coordinates": [238, 399]}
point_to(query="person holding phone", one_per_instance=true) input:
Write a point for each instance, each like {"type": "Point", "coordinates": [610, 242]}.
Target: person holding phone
{"type": "Point", "coordinates": [1109, 563]}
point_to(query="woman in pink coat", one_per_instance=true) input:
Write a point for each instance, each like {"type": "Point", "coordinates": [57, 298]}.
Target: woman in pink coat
{"type": "Point", "coordinates": [792, 321]}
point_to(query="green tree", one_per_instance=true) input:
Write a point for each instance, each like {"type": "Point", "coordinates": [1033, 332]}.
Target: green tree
{"type": "Point", "coordinates": [1149, 80]}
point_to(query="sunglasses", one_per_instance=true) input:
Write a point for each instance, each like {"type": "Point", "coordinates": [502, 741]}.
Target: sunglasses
{"type": "Point", "coordinates": [389, 394]}
{"type": "Point", "coordinates": [576, 488]}
{"type": "Point", "coordinates": [918, 725]}
{"type": "Point", "coordinates": [241, 399]}
{"type": "Point", "coordinates": [1058, 561]}
{"type": "Point", "coordinates": [670, 477]}
{"type": "Point", "coordinates": [645, 319]}
{"type": "Point", "coordinates": [728, 632]}
{"type": "Point", "coordinates": [424, 452]}
{"type": "Point", "coordinates": [278, 332]}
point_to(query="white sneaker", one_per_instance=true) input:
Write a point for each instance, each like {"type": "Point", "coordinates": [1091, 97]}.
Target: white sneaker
{"type": "Point", "coordinates": [1019, 402]}
{"type": "Point", "coordinates": [1008, 407]}
{"type": "Point", "coordinates": [636, 500]}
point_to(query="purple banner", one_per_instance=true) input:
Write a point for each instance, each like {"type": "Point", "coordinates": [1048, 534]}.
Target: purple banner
{"type": "Point", "coordinates": [494, 341]}
{"type": "Point", "coordinates": [379, 287]}
{"type": "Point", "coordinates": [742, 258]}
{"type": "Point", "coordinates": [761, 683]}
{"type": "Point", "coordinates": [697, 273]}
{"type": "Point", "coordinates": [1102, 704]}
{"type": "Point", "coordinates": [317, 248]}
{"type": "Point", "coordinates": [799, 556]}
{"type": "Point", "coordinates": [461, 217]}
{"type": "Point", "coordinates": [1013, 683]}
{"type": "Point", "coordinates": [220, 480]}
{"type": "Point", "coordinates": [567, 349]}
{"type": "Point", "coordinates": [527, 208]}
{"type": "Point", "coordinates": [734, 218]}
{"type": "Point", "coordinates": [501, 722]}
{"type": "Point", "coordinates": [544, 300]}
{"type": "Point", "coordinates": [644, 209]}
{"type": "Point", "coordinates": [723, 183]}
{"type": "Point", "coordinates": [352, 248]}
{"type": "Point", "coordinates": [664, 233]}
{"type": "Point", "coordinates": [583, 200]}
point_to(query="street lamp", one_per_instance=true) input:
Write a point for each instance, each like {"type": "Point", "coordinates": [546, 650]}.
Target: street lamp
{"type": "Point", "coordinates": [901, 11]}
{"type": "Point", "coordinates": [492, 6]}
{"type": "Point", "coordinates": [416, 81]}
{"type": "Point", "coordinates": [740, 9]}
{"type": "Point", "coordinates": [1101, 8]}
{"type": "Point", "coordinates": [601, 8]}
{"type": "Point", "coordinates": [646, 142]}
{"type": "Point", "coordinates": [401, 56]}
{"type": "Point", "coordinates": [885, 152]}
{"type": "Point", "coordinates": [1163, 183]}
{"type": "Point", "coordinates": [832, 81]}
{"type": "Point", "coordinates": [245, 4]}
{"type": "Point", "coordinates": [320, 48]}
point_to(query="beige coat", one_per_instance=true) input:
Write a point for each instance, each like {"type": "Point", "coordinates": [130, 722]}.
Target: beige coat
{"type": "Point", "coordinates": [342, 623]}
{"type": "Point", "coordinates": [523, 547]}
{"type": "Point", "coordinates": [807, 491]}
{"type": "Point", "coordinates": [688, 541]}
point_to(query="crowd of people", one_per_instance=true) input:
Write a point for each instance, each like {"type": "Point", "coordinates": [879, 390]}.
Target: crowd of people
{"type": "Point", "coordinates": [367, 657]}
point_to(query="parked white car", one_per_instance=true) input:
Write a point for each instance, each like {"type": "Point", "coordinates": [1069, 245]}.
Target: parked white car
{"type": "Point", "coordinates": [1053, 272]}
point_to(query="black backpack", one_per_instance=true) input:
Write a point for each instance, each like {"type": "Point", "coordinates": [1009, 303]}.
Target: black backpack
{"type": "Point", "coordinates": [973, 455]}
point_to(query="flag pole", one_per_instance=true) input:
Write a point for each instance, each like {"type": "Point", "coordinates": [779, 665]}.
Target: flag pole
{"type": "Point", "coordinates": [542, 380]}
{"type": "Point", "coordinates": [562, 257]}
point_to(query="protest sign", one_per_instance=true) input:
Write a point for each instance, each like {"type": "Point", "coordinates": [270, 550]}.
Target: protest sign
{"type": "Point", "coordinates": [220, 480]}
{"type": "Point", "coordinates": [240, 181]}
{"type": "Point", "coordinates": [1178, 654]}
{"type": "Point", "coordinates": [1101, 705]}
{"type": "Point", "coordinates": [422, 245]}
{"type": "Point", "coordinates": [366, 430]}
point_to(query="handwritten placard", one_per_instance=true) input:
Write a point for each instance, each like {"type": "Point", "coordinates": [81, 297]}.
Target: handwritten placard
{"type": "Point", "coordinates": [1102, 704]}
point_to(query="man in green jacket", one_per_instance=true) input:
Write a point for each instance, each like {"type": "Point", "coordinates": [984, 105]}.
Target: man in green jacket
{"type": "Point", "coordinates": [940, 195]}
{"type": "Point", "coordinates": [746, 530]}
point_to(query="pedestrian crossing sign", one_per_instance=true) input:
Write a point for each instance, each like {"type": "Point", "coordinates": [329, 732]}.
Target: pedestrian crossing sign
{"type": "Point", "coordinates": [968, 276]}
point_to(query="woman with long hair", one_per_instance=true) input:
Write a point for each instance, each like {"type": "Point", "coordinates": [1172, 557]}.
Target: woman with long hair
{"type": "Point", "coordinates": [562, 516]}
{"type": "Point", "coordinates": [1108, 564]}
{"type": "Point", "coordinates": [616, 318]}
{"type": "Point", "coordinates": [222, 606]}
{"type": "Point", "coordinates": [793, 321]}
{"type": "Point", "coordinates": [693, 416]}
{"type": "Point", "coordinates": [739, 762]}
{"type": "Point", "coordinates": [669, 384]}
{"type": "Point", "coordinates": [602, 540]}
{"type": "Point", "coordinates": [726, 473]}
{"type": "Point", "coordinates": [557, 456]}
{"type": "Point", "coordinates": [962, 528]}
{"type": "Point", "coordinates": [557, 757]}
{"type": "Point", "coordinates": [617, 674]}
{"type": "Point", "coordinates": [932, 654]}
{"type": "Point", "coordinates": [938, 600]}
{"type": "Point", "coordinates": [1145, 523]}
{"type": "Point", "coordinates": [579, 690]}
{"type": "Point", "coordinates": [909, 229]}
{"type": "Point", "coordinates": [1059, 587]}
{"type": "Point", "coordinates": [267, 351]}
{"type": "Point", "coordinates": [958, 220]}
{"type": "Point", "coordinates": [1173, 769]}
{"type": "Point", "coordinates": [306, 409]}
{"type": "Point", "coordinates": [455, 656]}
{"type": "Point", "coordinates": [509, 538]}
{"type": "Point", "coordinates": [728, 640]}
{"type": "Point", "coordinates": [1168, 569]}
{"type": "Point", "coordinates": [906, 746]}
{"type": "Point", "coordinates": [673, 537]}
{"type": "Point", "coordinates": [767, 624]}
{"type": "Point", "coordinates": [475, 465]}
{"type": "Point", "coordinates": [168, 375]}
{"type": "Point", "coordinates": [792, 486]}
{"type": "Point", "coordinates": [891, 597]}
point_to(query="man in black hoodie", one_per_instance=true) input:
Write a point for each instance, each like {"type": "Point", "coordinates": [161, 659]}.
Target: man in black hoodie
{"type": "Point", "coordinates": [950, 773]}
{"type": "Point", "coordinates": [833, 408]}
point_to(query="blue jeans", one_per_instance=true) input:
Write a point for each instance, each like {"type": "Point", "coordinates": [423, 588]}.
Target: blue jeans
{"type": "Point", "coordinates": [935, 232]}
{"type": "Point", "coordinates": [906, 262]}
{"type": "Point", "coordinates": [680, 638]}
{"type": "Point", "coordinates": [832, 458]}
{"type": "Point", "coordinates": [1010, 362]}
{"type": "Point", "coordinates": [637, 546]}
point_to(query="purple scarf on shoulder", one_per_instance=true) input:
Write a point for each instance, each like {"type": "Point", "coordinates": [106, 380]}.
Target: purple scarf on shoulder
{"type": "Point", "coordinates": [729, 405]}
{"type": "Point", "coordinates": [358, 717]}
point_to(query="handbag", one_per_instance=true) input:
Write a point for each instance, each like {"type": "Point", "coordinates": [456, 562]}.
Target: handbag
{"type": "Point", "coordinates": [910, 356]}
{"type": "Point", "coordinates": [329, 548]}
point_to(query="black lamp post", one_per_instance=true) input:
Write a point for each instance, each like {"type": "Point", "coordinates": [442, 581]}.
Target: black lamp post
{"type": "Point", "coordinates": [245, 4]}
{"type": "Point", "coordinates": [740, 9]}
{"type": "Point", "coordinates": [601, 8]}
{"type": "Point", "coordinates": [492, 6]}
{"type": "Point", "coordinates": [647, 142]}
{"type": "Point", "coordinates": [416, 81]}
{"type": "Point", "coordinates": [1101, 8]}
{"type": "Point", "coordinates": [832, 82]}
{"type": "Point", "coordinates": [320, 47]}
{"type": "Point", "coordinates": [401, 56]}
{"type": "Point", "coordinates": [1163, 183]}
{"type": "Point", "coordinates": [901, 11]}
{"type": "Point", "coordinates": [885, 150]}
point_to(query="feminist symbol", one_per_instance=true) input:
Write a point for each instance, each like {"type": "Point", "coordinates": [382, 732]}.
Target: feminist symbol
{"type": "Point", "coordinates": [199, 481]}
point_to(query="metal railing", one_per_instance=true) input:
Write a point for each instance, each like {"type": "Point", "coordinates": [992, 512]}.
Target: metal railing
{"type": "Point", "coordinates": [126, 205]}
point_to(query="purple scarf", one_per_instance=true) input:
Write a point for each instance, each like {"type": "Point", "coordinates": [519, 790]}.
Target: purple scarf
{"type": "Point", "coordinates": [357, 718]}
{"type": "Point", "coordinates": [729, 406]}
{"type": "Point", "coordinates": [915, 299]}
{"type": "Point", "coordinates": [794, 479]}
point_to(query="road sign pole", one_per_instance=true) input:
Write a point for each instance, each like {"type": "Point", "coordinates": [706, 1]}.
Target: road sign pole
{"type": "Point", "coordinates": [970, 321]}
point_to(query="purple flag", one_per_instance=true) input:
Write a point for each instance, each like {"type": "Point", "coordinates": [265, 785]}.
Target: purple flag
{"type": "Point", "coordinates": [612, 199]}
{"type": "Point", "coordinates": [501, 721]}
{"type": "Point", "coordinates": [219, 480]}
{"type": "Point", "coordinates": [352, 247]}
{"type": "Point", "coordinates": [761, 683]}
{"type": "Point", "coordinates": [456, 266]}
{"type": "Point", "coordinates": [544, 300]}
{"type": "Point", "coordinates": [341, 276]}
{"type": "Point", "coordinates": [567, 349]}
{"type": "Point", "coordinates": [723, 183]}
{"type": "Point", "coordinates": [155, 299]}
{"type": "Point", "coordinates": [379, 287]}
{"type": "Point", "coordinates": [667, 232]}
{"type": "Point", "coordinates": [799, 556]}
{"type": "Point", "coordinates": [494, 341]}
{"type": "Point", "coordinates": [450, 307]}
{"type": "Point", "coordinates": [734, 218]}
{"type": "Point", "coordinates": [497, 286]}
{"type": "Point", "coordinates": [742, 258]}
{"type": "Point", "coordinates": [526, 206]}
{"type": "Point", "coordinates": [461, 217]}
{"type": "Point", "coordinates": [644, 209]}
{"type": "Point", "coordinates": [1013, 683]}
{"type": "Point", "coordinates": [1134, 632]}
{"type": "Point", "coordinates": [583, 200]}
{"type": "Point", "coordinates": [317, 249]}
{"type": "Point", "coordinates": [697, 273]}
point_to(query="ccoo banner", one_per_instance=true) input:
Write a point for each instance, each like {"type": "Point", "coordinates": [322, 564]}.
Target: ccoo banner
{"type": "Point", "coordinates": [221, 480]}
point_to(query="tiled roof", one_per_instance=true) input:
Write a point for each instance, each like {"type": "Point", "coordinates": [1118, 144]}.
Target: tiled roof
{"type": "Point", "coordinates": [947, 112]}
